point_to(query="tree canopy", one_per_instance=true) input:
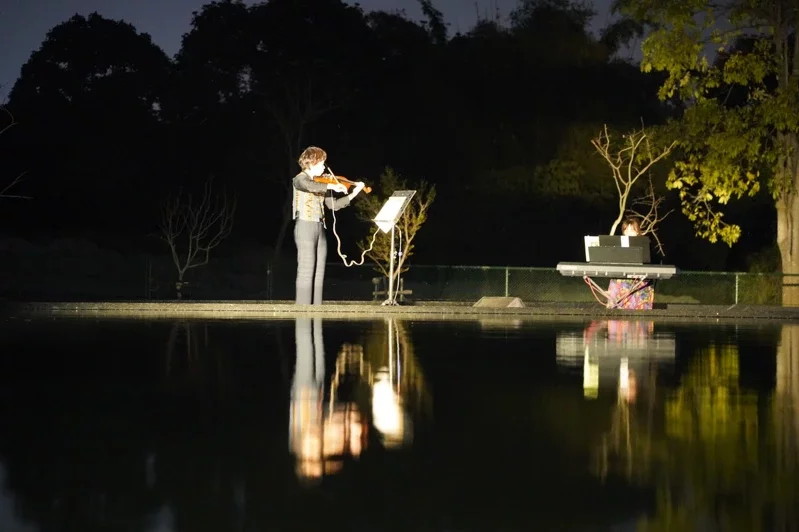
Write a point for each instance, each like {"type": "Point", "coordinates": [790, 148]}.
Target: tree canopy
{"type": "Point", "coordinates": [731, 70]}
{"type": "Point", "coordinates": [497, 117]}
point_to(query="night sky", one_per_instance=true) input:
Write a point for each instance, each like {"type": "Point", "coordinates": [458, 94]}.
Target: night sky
{"type": "Point", "coordinates": [24, 23]}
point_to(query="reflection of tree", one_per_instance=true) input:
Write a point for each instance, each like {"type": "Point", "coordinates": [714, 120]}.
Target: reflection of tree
{"type": "Point", "coordinates": [190, 364]}
{"type": "Point", "coordinates": [104, 442]}
{"type": "Point", "coordinates": [786, 417]}
{"type": "Point", "coordinates": [399, 390]}
{"type": "Point", "coordinates": [720, 461]}
{"type": "Point", "coordinates": [628, 445]}
{"type": "Point", "coordinates": [712, 438]}
{"type": "Point", "coordinates": [73, 464]}
{"type": "Point", "coordinates": [197, 469]}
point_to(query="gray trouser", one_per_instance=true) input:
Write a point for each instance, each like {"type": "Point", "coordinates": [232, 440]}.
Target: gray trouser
{"type": "Point", "coordinates": [309, 369]}
{"type": "Point", "coordinates": [307, 386]}
{"type": "Point", "coordinates": [311, 241]}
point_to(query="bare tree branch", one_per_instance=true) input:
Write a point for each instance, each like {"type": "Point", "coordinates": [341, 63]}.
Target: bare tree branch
{"type": "Point", "coordinates": [20, 178]}
{"type": "Point", "coordinates": [11, 123]}
{"type": "Point", "coordinates": [628, 163]}
{"type": "Point", "coordinates": [17, 180]}
{"type": "Point", "coordinates": [295, 108]}
{"type": "Point", "coordinates": [294, 104]}
{"type": "Point", "coordinates": [645, 209]}
{"type": "Point", "coordinates": [193, 228]}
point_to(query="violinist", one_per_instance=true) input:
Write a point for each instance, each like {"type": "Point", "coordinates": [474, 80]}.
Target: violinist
{"type": "Point", "coordinates": [308, 212]}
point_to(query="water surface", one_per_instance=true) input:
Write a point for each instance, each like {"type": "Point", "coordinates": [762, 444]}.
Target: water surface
{"type": "Point", "coordinates": [312, 424]}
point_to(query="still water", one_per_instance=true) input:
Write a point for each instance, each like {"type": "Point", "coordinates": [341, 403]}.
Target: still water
{"type": "Point", "coordinates": [321, 424]}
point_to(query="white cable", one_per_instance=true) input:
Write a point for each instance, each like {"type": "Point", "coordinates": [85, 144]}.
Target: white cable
{"type": "Point", "coordinates": [640, 283]}
{"type": "Point", "coordinates": [335, 233]}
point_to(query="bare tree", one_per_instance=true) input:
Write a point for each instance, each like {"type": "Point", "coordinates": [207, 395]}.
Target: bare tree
{"type": "Point", "coordinates": [4, 191]}
{"type": "Point", "coordinates": [192, 229]}
{"type": "Point", "coordinates": [629, 162]}
{"type": "Point", "coordinates": [17, 180]}
{"type": "Point", "coordinates": [646, 209]}
{"type": "Point", "coordinates": [410, 222]}
{"type": "Point", "coordinates": [295, 101]}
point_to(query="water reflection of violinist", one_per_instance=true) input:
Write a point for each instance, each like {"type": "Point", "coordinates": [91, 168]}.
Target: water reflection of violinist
{"type": "Point", "coordinates": [322, 434]}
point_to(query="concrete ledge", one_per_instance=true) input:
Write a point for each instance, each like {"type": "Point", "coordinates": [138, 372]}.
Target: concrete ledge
{"type": "Point", "coordinates": [366, 310]}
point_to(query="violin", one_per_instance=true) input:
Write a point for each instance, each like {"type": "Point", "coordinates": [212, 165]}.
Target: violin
{"type": "Point", "coordinates": [339, 180]}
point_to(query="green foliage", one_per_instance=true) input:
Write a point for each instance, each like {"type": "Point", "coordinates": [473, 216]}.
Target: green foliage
{"type": "Point", "coordinates": [702, 450]}
{"type": "Point", "coordinates": [435, 21]}
{"type": "Point", "coordinates": [120, 120]}
{"type": "Point", "coordinates": [88, 102]}
{"type": "Point", "coordinates": [535, 14]}
{"type": "Point", "coordinates": [766, 260]}
{"type": "Point", "coordinates": [721, 153]}
{"type": "Point", "coordinates": [409, 224]}
{"type": "Point", "coordinates": [738, 131]}
{"type": "Point", "coordinates": [557, 25]}
{"type": "Point", "coordinates": [765, 288]}
{"type": "Point", "coordinates": [572, 172]}
{"type": "Point", "coordinates": [97, 61]}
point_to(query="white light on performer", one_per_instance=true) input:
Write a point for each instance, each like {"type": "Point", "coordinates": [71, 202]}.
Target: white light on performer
{"type": "Point", "coordinates": [386, 220]}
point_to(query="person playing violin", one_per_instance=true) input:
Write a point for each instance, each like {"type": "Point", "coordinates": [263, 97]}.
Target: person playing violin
{"type": "Point", "coordinates": [308, 213]}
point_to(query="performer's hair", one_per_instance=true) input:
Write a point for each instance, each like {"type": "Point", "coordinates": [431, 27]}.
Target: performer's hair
{"type": "Point", "coordinates": [311, 156]}
{"type": "Point", "coordinates": [631, 221]}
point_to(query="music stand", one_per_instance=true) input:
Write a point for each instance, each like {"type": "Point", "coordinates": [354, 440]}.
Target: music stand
{"type": "Point", "coordinates": [386, 219]}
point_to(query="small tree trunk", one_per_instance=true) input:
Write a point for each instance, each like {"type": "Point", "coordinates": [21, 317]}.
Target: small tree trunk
{"type": "Point", "coordinates": [284, 225]}
{"type": "Point", "coordinates": [179, 285]}
{"type": "Point", "coordinates": [287, 200]}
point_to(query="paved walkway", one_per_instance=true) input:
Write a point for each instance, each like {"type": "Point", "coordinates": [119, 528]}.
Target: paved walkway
{"type": "Point", "coordinates": [366, 310]}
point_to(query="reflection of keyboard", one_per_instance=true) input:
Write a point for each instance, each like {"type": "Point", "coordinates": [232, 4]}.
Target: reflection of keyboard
{"type": "Point", "coordinates": [616, 271]}
{"type": "Point", "coordinates": [571, 348]}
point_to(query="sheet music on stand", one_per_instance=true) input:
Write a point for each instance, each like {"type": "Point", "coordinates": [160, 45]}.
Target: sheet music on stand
{"type": "Point", "coordinates": [392, 209]}
{"type": "Point", "coordinates": [386, 219]}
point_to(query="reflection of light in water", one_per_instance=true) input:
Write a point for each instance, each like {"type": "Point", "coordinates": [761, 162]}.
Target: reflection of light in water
{"type": "Point", "coordinates": [500, 324]}
{"type": "Point", "coordinates": [9, 522]}
{"type": "Point", "coordinates": [323, 446]}
{"type": "Point", "coordinates": [614, 351]}
{"type": "Point", "coordinates": [627, 384]}
{"type": "Point", "coordinates": [387, 413]}
{"type": "Point", "coordinates": [343, 431]}
{"type": "Point", "coordinates": [149, 470]}
{"type": "Point", "coordinates": [324, 433]}
{"type": "Point", "coordinates": [162, 521]}
{"type": "Point", "coordinates": [590, 376]}
{"type": "Point", "coordinates": [624, 376]}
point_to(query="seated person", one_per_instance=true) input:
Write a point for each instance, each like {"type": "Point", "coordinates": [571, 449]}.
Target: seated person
{"type": "Point", "coordinates": [631, 294]}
